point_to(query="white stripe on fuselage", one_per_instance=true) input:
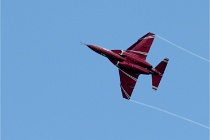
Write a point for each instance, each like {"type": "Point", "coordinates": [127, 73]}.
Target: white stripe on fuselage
{"type": "Point", "coordinates": [117, 64]}
{"type": "Point", "coordinates": [143, 53]}
{"type": "Point", "coordinates": [105, 49]}
{"type": "Point", "coordinates": [121, 52]}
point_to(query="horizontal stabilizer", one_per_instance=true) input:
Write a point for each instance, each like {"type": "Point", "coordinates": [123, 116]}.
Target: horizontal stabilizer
{"type": "Point", "coordinates": [160, 68]}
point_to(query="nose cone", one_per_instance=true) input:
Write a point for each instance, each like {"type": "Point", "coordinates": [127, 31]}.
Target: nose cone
{"type": "Point", "coordinates": [92, 47]}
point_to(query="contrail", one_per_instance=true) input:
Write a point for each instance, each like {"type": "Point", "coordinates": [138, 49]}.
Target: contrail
{"type": "Point", "coordinates": [172, 114]}
{"type": "Point", "coordinates": [183, 49]}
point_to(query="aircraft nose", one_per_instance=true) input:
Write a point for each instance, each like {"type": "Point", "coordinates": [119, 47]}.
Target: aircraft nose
{"type": "Point", "coordinates": [89, 46]}
{"type": "Point", "coordinates": [92, 47]}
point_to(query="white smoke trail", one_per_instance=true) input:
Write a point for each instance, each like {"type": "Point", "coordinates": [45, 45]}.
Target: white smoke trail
{"type": "Point", "coordinates": [172, 114]}
{"type": "Point", "coordinates": [183, 49]}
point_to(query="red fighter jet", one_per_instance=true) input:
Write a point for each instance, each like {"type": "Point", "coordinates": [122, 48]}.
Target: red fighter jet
{"type": "Point", "coordinates": [132, 62]}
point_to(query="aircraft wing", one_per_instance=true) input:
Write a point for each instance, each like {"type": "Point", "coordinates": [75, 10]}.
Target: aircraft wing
{"type": "Point", "coordinates": [127, 83]}
{"type": "Point", "coordinates": [142, 46]}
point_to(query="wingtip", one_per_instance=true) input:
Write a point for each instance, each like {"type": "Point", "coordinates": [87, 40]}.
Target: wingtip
{"type": "Point", "coordinates": [126, 98]}
{"type": "Point", "coordinates": [151, 33]}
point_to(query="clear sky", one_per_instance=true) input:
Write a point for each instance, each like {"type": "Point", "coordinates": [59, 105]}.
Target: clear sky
{"type": "Point", "coordinates": [54, 88]}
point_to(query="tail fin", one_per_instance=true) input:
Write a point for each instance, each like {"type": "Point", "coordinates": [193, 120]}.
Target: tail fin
{"type": "Point", "coordinates": [159, 71]}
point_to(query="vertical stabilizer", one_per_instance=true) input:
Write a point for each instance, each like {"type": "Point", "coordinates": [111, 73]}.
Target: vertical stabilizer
{"type": "Point", "coordinates": [160, 68]}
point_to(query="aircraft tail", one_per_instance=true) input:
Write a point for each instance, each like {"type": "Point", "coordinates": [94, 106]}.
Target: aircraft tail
{"type": "Point", "coordinates": [158, 73]}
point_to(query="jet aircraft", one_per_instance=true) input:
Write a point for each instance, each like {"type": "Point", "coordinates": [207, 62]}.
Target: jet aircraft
{"type": "Point", "coordinates": [132, 62]}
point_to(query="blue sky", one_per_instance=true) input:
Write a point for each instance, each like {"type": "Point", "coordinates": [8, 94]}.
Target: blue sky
{"type": "Point", "coordinates": [55, 88]}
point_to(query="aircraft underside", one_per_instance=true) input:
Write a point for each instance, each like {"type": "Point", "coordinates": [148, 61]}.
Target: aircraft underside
{"type": "Point", "coordinates": [132, 62]}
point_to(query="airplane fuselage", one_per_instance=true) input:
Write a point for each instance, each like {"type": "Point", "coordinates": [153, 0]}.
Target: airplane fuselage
{"type": "Point", "coordinates": [125, 60]}
{"type": "Point", "coordinates": [106, 53]}
{"type": "Point", "coordinates": [132, 62]}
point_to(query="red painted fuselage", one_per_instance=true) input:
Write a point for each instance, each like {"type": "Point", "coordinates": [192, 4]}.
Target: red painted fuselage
{"type": "Point", "coordinates": [132, 62]}
{"type": "Point", "coordinates": [125, 60]}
